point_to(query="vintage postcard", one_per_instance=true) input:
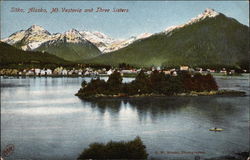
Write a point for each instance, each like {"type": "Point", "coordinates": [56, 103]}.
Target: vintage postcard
{"type": "Point", "coordinates": [157, 80]}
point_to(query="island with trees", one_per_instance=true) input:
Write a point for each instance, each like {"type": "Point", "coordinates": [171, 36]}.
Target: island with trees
{"type": "Point", "coordinates": [155, 84]}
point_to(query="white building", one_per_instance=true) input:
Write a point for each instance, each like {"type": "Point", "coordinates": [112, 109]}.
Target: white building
{"type": "Point", "coordinates": [70, 72]}
{"type": "Point", "coordinates": [174, 73]}
{"type": "Point", "coordinates": [184, 68]}
{"type": "Point", "coordinates": [37, 71]}
{"type": "Point", "coordinates": [43, 72]}
{"type": "Point", "coordinates": [58, 71]}
{"type": "Point", "coordinates": [127, 71]}
{"type": "Point", "coordinates": [49, 72]}
{"type": "Point", "coordinates": [109, 72]}
{"type": "Point", "coordinates": [80, 72]}
{"type": "Point", "coordinates": [86, 73]}
{"type": "Point", "coordinates": [167, 72]}
{"type": "Point", "coordinates": [158, 68]}
{"type": "Point", "coordinates": [64, 72]}
{"type": "Point", "coordinates": [30, 73]}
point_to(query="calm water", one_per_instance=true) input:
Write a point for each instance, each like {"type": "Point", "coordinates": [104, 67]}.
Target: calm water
{"type": "Point", "coordinates": [44, 120]}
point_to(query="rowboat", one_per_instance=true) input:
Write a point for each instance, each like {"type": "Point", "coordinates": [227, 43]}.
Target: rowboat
{"type": "Point", "coordinates": [216, 129]}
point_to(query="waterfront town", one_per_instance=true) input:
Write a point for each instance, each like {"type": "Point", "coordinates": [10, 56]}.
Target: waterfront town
{"type": "Point", "coordinates": [88, 71]}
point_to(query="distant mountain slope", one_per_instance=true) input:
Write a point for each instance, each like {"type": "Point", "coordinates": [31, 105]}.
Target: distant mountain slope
{"type": "Point", "coordinates": [70, 46]}
{"type": "Point", "coordinates": [209, 39]}
{"type": "Point", "coordinates": [12, 55]}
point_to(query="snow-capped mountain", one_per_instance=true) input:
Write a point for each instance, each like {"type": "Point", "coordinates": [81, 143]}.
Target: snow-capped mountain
{"type": "Point", "coordinates": [208, 13]}
{"type": "Point", "coordinates": [70, 45]}
{"type": "Point", "coordinates": [116, 45]}
{"type": "Point", "coordinates": [35, 36]}
{"type": "Point", "coordinates": [29, 39]}
{"type": "Point", "coordinates": [70, 36]}
{"type": "Point", "coordinates": [99, 39]}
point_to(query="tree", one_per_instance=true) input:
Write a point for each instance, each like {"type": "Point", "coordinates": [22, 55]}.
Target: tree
{"type": "Point", "coordinates": [134, 149]}
{"type": "Point", "coordinates": [209, 83]}
{"type": "Point", "coordinates": [115, 82]}
{"type": "Point", "coordinates": [142, 83]}
{"type": "Point", "coordinates": [157, 81]}
{"type": "Point", "coordinates": [84, 84]}
{"type": "Point", "coordinates": [125, 66]}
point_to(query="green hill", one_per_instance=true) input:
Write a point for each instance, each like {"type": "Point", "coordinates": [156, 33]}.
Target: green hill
{"type": "Point", "coordinates": [76, 52]}
{"type": "Point", "coordinates": [213, 41]}
{"type": "Point", "coordinates": [11, 55]}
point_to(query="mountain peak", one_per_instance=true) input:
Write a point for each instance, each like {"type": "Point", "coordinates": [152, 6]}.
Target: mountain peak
{"type": "Point", "coordinates": [36, 28]}
{"type": "Point", "coordinates": [73, 33]}
{"type": "Point", "coordinates": [73, 30]}
{"type": "Point", "coordinates": [72, 36]}
{"type": "Point", "coordinates": [208, 13]}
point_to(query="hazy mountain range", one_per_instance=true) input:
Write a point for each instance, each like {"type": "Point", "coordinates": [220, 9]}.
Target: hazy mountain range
{"type": "Point", "coordinates": [209, 38]}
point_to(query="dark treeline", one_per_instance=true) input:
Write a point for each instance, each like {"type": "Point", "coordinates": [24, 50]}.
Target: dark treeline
{"type": "Point", "coordinates": [134, 149]}
{"type": "Point", "coordinates": [96, 66]}
{"type": "Point", "coordinates": [125, 66]}
{"type": "Point", "coordinates": [155, 83]}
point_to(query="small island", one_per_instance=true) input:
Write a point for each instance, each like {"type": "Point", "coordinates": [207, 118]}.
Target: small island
{"type": "Point", "coordinates": [156, 84]}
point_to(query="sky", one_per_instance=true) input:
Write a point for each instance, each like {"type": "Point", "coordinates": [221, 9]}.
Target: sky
{"type": "Point", "coordinates": [142, 16]}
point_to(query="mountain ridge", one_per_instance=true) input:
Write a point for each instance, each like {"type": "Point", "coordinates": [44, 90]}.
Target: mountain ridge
{"type": "Point", "coordinates": [35, 36]}
{"type": "Point", "coordinates": [211, 39]}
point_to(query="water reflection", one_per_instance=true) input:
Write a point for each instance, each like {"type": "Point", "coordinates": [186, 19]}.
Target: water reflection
{"type": "Point", "coordinates": [215, 109]}
{"type": "Point", "coordinates": [112, 106]}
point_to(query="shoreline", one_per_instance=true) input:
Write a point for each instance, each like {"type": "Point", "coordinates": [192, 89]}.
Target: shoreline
{"type": "Point", "coordinates": [50, 76]}
{"type": "Point", "coordinates": [104, 75]}
{"type": "Point", "coordinates": [220, 93]}
{"type": "Point", "coordinates": [235, 156]}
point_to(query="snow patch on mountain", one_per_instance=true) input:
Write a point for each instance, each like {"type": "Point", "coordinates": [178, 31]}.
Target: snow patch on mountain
{"type": "Point", "coordinates": [37, 30]}
{"type": "Point", "coordinates": [73, 36]}
{"type": "Point", "coordinates": [99, 39]}
{"type": "Point", "coordinates": [124, 43]}
{"type": "Point", "coordinates": [15, 37]}
{"type": "Point", "coordinates": [208, 13]}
